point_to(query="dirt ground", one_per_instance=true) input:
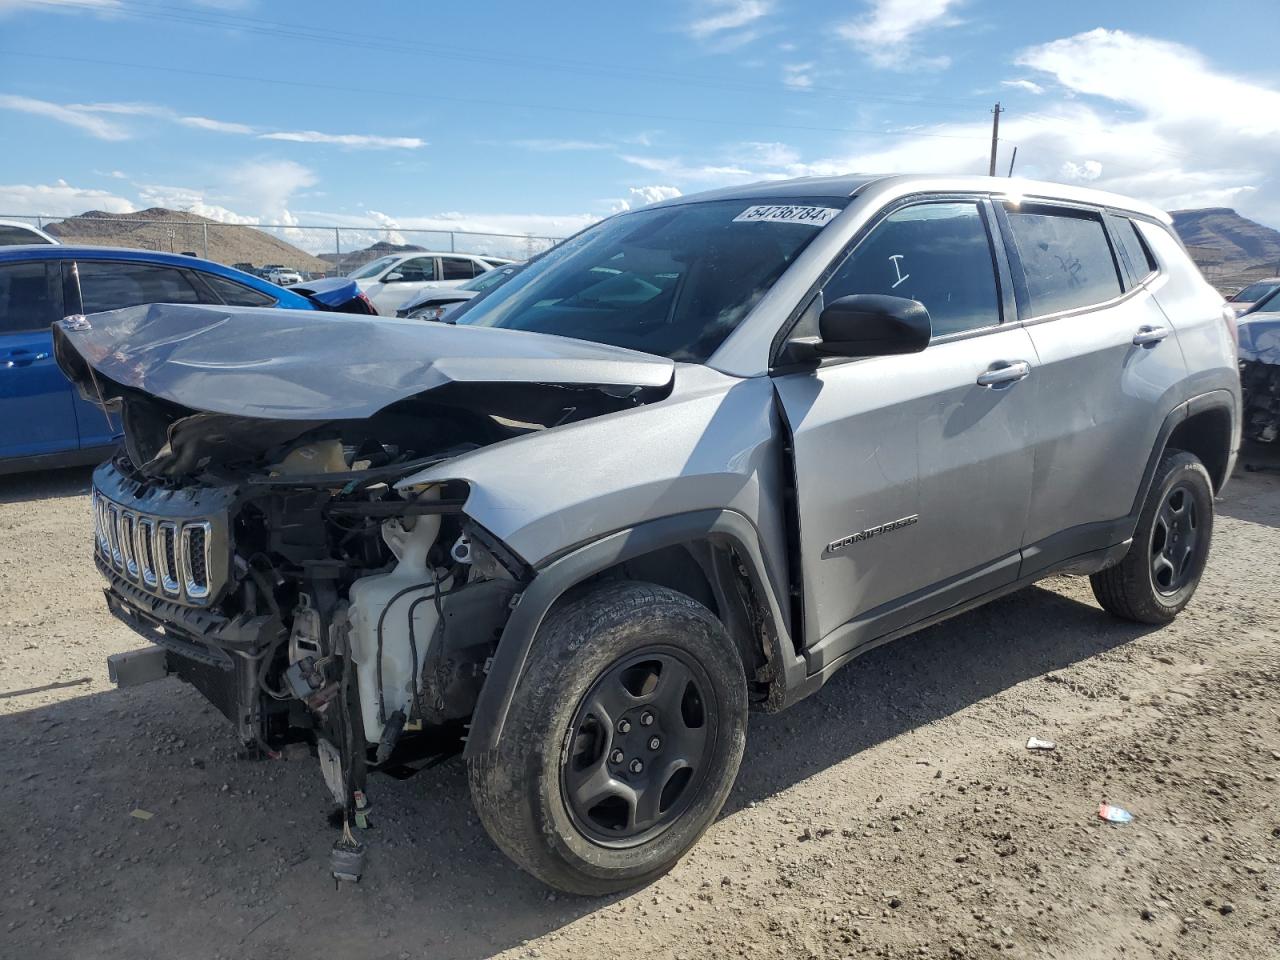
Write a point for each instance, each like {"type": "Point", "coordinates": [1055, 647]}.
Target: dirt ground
{"type": "Point", "coordinates": [897, 813]}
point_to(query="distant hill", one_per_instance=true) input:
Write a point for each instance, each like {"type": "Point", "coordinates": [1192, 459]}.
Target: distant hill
{"type": "Point", "coordinates": [228, 243]}
{"type": "Point", "coordinates": [1230, 249]}
{"type": "Point", "coordinates": [346, 262]}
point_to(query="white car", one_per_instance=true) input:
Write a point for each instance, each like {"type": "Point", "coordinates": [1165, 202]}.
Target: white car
{"type": "Point", "coordinates": [14, 232]}
{"type": "Point", "coordinates": [390, 282]}
{"type": "Point", "coordinates": [284, 276]}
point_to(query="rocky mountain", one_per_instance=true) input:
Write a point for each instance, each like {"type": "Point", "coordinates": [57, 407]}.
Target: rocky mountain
{"type": "Point", "coordinates": [1229, 248]}
{"type": "Point", "coordinates": [156, 229]}
{"type": "Point", "coordinates": [346, 262]}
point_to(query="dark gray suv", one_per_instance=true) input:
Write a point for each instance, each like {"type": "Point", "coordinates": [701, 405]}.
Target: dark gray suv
{"type": "Point", "coordinates": [689, 462]}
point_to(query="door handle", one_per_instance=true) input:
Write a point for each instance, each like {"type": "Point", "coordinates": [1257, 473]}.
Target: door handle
{"type": "Point", "coordinates": [21, 358]}
{"type": "Point", "coordinates": [1003, 373]}
{"type": "Point", "coordinates": [1149, 336]}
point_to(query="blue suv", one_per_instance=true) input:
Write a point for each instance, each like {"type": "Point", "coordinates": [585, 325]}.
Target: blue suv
{"type": "Point", "coordinates": [44, 422]}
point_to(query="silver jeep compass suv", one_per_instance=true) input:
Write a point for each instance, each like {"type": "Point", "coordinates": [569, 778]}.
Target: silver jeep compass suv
{"type": "Point", "coordinates": [691, 461]}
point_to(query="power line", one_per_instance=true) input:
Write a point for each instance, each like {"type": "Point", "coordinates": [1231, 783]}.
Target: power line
{"type": "Point", "coordinates": [346, 39]}
{"type": "Point", "coordinates": [754, 124]}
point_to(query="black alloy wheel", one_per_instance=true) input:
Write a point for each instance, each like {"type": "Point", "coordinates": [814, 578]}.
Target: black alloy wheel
{"type": "Point", "coordinates": [1174, 538]}
{"type": "Point", "coordinates": [638, 746]}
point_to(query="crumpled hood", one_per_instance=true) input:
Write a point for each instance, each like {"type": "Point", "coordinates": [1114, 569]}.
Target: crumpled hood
{"type": "Point", "coordinates": [295, 365]}
{"type": "Point", "coordinates": [1260, 337]}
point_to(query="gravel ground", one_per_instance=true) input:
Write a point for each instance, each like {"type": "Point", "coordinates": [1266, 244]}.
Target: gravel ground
{"type": "Point", "coordinates": [897, 813]}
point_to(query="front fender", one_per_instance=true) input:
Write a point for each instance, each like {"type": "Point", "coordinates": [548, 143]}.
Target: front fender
{"type": "Point", "coordinates": [552, 580]}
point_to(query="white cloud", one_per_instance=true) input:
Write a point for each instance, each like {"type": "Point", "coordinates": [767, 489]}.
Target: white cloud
{"type": "Point", "coordinates": [266, 186]}
{"type": "Point", "coordinates": [1135, 115]}
{"type": "Point", "coordinates": [78, 117]}
{"type": "Point", "coordinates": [675, 168]}
{"type": "Point", "coordinates": [358, 140]}
{"type": "Point", "coordinates": [798, 76]}
{"type": "Point", "coordinates": [92, 119]}
{"type": "Point", "coordinates": [722, 16]}
{"type": "Point", "coordinates": [217, 126]}
{"type": "Point", "coordinates": [560, 146]}
{"type": "Point", "coordinates": [653, 194]}
{"type": "Point", "coordinates": [1163, 122]}
{"type": "Point", "coordinates": [1030, 86]}
{"type": "Point", "coordinates": [887, 33]}
{"type": "Point", "coordinates": [59, 199]}
{"type": "Point", "coordinates": [1080, 172]}
{"type": "Point", "coordinates": [643, 196]}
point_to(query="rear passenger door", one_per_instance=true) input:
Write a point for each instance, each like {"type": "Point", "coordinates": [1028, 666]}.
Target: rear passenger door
{"type": "Point", "coordinates": [36, 413]}
{"type": "Point", "coordinates": [913, 473]}
{"type": "Point", "coordinates": [1110, 367]}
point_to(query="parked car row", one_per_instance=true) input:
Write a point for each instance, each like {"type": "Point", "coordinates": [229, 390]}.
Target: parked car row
{"type": "Point", "coordinates": [392, 281]}
{"type": "Point", "coordinates": [434, 303]}
{"type": "Point", "coordinates": [43, 421]}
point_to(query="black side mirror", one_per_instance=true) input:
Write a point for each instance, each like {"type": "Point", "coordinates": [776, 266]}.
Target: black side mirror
{"type": "Point", "coordinates": [873, 325]}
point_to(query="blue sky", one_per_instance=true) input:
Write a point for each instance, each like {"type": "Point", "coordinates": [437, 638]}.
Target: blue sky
{"type": "Point", "coordinates": [538, 117]}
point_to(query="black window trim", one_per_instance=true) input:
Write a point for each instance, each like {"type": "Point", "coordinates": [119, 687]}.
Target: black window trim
{"type": "Point", "coordinates": [1006, 300]}
{"type": "Point", "coordinates": [1151, 273]}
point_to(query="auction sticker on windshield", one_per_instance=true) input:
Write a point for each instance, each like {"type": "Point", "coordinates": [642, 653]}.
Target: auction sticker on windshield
{"type": "Point", "coordinates": [784, 213]}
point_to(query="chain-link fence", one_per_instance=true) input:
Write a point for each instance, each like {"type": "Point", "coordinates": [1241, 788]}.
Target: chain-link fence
{"type": "Point", "coordinates": [310, 249]}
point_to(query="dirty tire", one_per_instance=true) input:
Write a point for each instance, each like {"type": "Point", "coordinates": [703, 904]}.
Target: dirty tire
{"type": "Point", "coordinates": [518, 789]}
{"type": "Point", "coordinates": [1130, 589]}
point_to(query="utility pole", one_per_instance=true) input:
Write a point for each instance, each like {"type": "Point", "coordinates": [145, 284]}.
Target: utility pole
{"type": "Point", "coordinates": [995, 136]}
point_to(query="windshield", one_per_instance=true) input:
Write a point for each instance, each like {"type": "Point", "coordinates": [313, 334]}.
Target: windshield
{"type": "Point", "coordinates": [372, 269]}
{"type": "Point", "coordinates": [1255, 291]}
{"type": "Point", "coordinates": [673, 281]}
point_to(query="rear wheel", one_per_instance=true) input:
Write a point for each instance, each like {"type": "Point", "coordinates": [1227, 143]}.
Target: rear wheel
{"type": "Point", "coordinates": [1161, 571]}
{"type": "Point", "coordinates": [622, 743]}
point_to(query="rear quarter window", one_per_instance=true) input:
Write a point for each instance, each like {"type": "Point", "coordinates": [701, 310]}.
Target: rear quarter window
{"type": "Point", "coordinates": [1066, 259]}
{"type": "Point", "coordinates": [1133, 250]}
{"type": "Point", "coordinates": [236, 294]}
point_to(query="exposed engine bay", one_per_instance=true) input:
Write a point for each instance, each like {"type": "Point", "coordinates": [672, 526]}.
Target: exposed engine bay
{"type": "Point", "coordinates": [283, 564]}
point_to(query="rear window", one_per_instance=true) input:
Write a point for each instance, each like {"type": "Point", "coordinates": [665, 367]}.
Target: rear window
{"type": "Point", "coordinates": [236, 294]}
{"type": "Point", "coordinates": [110, 285]}
{"type": "Point", "coordinates": [1133, 250]}
{"type": "Point", "coordinates": [1066, 259]}
{"type": "Point", "coordinates": [12, 234]}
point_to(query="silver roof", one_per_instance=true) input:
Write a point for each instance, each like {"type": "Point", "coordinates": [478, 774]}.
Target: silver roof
{"type": "Point", "coordinates": [887, 186]}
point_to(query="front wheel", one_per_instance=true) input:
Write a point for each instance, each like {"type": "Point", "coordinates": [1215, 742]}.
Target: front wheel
{"type": "Point", "coordinates": [1162, 569]}
{"type": "Point", "coordinates": [622, 743]}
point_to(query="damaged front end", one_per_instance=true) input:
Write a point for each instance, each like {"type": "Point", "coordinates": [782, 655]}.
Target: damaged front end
{"type": "Point", "coordinates": [253, 527]}
{"type": "Point", "coordinates": [1260, 376]}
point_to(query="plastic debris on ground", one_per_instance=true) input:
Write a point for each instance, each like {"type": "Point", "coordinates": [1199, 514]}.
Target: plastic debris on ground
{"type": "Point", "coordinates": [1114, 814]}
{"type": "Point", "coordinates": [1035, 743]}
{"type": "Point", "coordinates": [140, 814]}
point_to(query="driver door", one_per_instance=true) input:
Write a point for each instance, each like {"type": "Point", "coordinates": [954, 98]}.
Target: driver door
{"type": "Point", "coordinates": [913, 473]}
